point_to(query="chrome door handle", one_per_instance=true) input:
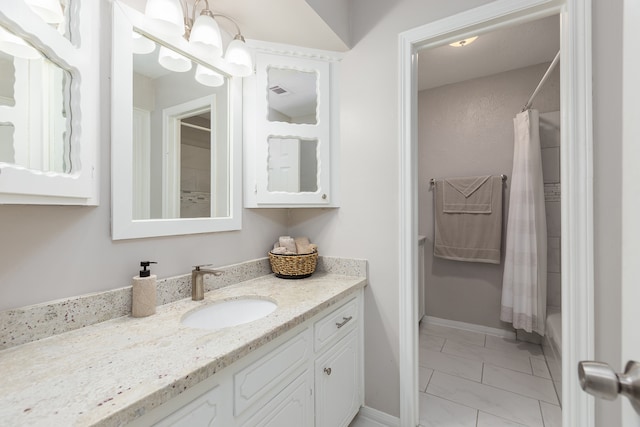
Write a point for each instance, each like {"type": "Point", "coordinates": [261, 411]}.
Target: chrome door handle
{"type": "Point", "coordinates": [600, 380]}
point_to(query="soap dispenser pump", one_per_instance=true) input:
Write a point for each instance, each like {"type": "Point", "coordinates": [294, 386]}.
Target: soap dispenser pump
{"type": "Point", "coordinates": [143, 297]}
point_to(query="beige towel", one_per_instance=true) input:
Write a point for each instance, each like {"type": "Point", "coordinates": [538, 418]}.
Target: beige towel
{"type": "Point", "coordinates": [289, 243]}
{"type": "Point", "coordinates": [473, 236]}
{"type": "Point", "coordinates": [302, 245]}
{"type": "Point", "coordinates": [467, 195]}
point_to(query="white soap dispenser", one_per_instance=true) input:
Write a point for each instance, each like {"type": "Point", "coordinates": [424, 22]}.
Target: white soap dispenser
{"type": "Point", "coordinates": [143, 297]}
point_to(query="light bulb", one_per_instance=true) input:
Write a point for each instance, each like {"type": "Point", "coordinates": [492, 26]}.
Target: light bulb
{"type": "Point", "coordinates": [49, 10]}
{"type": "Point", "coordinates": [142, 45]}
{"type": "Point", "coordinates": [173, 61]}
{"type": "Point", "coordinates": [15, 46]}
{"type": "Point", "coordinates": [463, 43]}
{"type": "Point", "coordinates": [208, 77]}
{"type": "Point", "coordinates": [205, 36]}
{"type": "Point", "coordinates": [166, 15]}
{"type": "Point", "coordinates": [238, 55]}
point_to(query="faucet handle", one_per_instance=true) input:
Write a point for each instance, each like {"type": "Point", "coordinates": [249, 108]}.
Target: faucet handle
{"type": "Point", "coordinates": [207, 270]}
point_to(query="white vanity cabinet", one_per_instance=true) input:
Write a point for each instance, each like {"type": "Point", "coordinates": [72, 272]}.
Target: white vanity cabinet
{"type": "Point", "coordinates": [290, 128]}
{"type": "Point", "coordinates": [310, 376]}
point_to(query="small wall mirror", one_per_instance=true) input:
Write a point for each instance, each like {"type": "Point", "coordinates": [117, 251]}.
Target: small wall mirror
{"type": "Point", "coordinates": [292, 96]}
{"type": "Point", "coordinates": [181, 141]}
{"type": "Point", "coordinates": [35, 116]}
{"type": "Point", "coordinates": [292, 165]}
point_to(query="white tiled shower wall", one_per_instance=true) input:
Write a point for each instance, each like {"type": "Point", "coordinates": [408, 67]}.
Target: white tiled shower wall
{"type": "Point", "coordinates": [550, 144]}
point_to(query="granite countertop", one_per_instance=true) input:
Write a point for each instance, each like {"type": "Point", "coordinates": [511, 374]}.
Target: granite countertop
{"type": "Point", "coordinates": [112, 372]}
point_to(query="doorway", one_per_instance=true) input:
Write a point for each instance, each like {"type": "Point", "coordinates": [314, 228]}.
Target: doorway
{"type": "Point", "coordinates": [472, 368]}
{"type": "Point", "coordinates": [577, 246]}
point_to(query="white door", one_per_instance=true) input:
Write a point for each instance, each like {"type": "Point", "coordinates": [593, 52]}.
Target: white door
{"type": "Point", "coordinates": [630, 196]}
{"type": "Point", "coordinates": [603, 380]}
{"type": "Point", "coordinates": [284, 165]}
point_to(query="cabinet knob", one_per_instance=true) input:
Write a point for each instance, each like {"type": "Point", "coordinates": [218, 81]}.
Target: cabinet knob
{"type": "Point", "coordinates": [324, 197]}
{"type": "Point", "coordinates": [327, 371]}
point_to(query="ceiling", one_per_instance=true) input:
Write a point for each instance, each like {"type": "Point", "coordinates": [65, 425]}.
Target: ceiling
{"type": "Point", "coordinates": [501, 50]}
{"type": "Point", "coordinates": [279, 21]}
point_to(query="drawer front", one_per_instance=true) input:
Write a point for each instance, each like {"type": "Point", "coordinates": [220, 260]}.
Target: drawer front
{"type": "Point", "coordinates": [265, 375]}
{"type": "Point", "coordinates": [203, 411]}
{"type": "Point", "coordinates": [292, 407]}
{"type": "Point", "coordinates": [336, 324]}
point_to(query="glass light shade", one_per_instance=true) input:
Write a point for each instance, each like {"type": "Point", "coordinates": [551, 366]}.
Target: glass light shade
{"type": "Point", "coordinates": [49, 10]}
{"type": "Point", "coordinates": [205, 36]}
{"type": "Point", "coordinates": [166, 15]}
{"type": "Point", "coordinates": [173, 61]}
{"type": "Point", "coordinates": [15, 46]}
{"type": "Point", "coordinates": [238, 54]}
{"type": "Point", "coordinates": [208, 77]}
{"type": "Point", "coordinates": [142, 45]}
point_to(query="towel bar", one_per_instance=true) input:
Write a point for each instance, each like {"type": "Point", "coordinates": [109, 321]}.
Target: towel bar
{"type": "Point", "coordinates": [503, 176]}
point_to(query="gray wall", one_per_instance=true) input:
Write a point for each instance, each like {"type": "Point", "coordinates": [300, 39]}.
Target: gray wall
{"type": "Point", "coordinates": [51, 252]}
{"type": "Point", "coordinates": [466, 129]}
{"type": "Point", "coordinates": [366, 225]}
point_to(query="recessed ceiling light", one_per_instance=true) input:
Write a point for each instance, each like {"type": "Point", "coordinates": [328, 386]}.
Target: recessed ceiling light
{"type": "Point", "coordinates": [464, 42]}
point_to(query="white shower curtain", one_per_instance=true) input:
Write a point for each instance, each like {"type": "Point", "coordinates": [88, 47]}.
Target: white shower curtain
{"type": "Point", "coordinates": [524, 284]}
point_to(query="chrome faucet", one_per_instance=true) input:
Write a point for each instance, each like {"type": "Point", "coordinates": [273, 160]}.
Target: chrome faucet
{"type": "Point", "coordinates": [197, 281]}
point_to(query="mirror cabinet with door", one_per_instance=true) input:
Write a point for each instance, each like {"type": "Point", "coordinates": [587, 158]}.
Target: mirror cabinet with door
{"type": "Point", "coordinates": [176, 135]}
{"type": "Point", "coordinates": [290, 128]}
{"type": "Point", "coordinates": [49, 129]}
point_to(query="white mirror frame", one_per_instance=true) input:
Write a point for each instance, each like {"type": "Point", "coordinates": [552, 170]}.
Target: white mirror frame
{"type": "Point", "coordinates": [125, 20]}
{"type": "Point", "coordinates": [19, 185]}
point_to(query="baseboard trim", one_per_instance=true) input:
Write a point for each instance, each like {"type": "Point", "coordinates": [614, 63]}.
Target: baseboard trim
{"type": "Point", "coordinates": [430, 320]}
{"type": "Point", "coordinates": [368, 414]}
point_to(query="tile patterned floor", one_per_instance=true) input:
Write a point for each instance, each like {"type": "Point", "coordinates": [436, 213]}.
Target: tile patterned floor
{"type": "Point", "coordinates": [470, 379]}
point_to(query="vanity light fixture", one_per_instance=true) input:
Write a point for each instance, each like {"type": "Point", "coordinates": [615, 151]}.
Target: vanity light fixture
{"type": "Point", "coordinates": [172, 17]}
{"type": "Point", "coordinates": [463, 43]}
{"type": "Point", "coordinates": [49, 10]}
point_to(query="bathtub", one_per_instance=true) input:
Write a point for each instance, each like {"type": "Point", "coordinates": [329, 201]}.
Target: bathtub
{"type": "Point", "coordinates": [552, 348]}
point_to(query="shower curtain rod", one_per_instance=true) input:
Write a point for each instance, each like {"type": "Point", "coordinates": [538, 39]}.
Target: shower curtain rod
{"type": "Point", "coordinates": [544, 79]}
{"type": "Point", "coordinates": [503, 176]}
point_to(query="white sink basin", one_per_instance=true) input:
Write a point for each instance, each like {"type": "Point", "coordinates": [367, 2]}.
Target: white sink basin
{"type": "Point", "coordinates": [229, 313]}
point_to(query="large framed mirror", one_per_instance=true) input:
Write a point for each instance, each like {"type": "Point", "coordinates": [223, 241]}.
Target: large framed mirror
{"type": "Point", "coordinates": [176, 135]}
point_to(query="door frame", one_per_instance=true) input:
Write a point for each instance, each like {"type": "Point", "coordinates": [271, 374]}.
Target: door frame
{"type": "Point", "coordinates": [576, 186]}
{"type": "Point", "coordinates": [630, 346]}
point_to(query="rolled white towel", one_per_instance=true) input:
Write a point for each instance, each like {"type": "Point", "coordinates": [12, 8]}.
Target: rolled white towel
{"type": "Point", "coordinates": [289, 243]}
{"type": "Point", "coordinates": [279, 250]}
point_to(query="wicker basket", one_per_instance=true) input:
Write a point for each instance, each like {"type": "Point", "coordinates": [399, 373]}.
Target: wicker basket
{"type": "Point", "coordinates": [293, 266]}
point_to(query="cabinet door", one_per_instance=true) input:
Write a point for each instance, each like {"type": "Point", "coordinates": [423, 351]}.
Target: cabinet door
{"type": "Point", "coordinates": [292, 407]}
{"type": "Point", "coordinates": [337, 374]}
